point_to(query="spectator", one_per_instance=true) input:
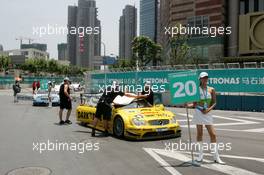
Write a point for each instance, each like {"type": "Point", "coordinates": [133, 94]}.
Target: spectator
{"type": "Point", "coordinates": [49, 93]}
{"type": "Point", "coordinates": [16, 89]}
{"type": "Point", "coordinates": [34, 86]}
{"type": "Point", "coordinates": [65, 101]}
{"type": "Point", "coordinates": [148, 91]}
{"type": "Point", "coordinates": [38, 85]}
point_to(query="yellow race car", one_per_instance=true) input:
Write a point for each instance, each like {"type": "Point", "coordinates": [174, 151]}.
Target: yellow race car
{"type": "Point", "coordinates": [138, 120]}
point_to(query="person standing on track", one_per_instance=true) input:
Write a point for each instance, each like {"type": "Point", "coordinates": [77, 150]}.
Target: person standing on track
{"type": "Point", "coordinates": [49, 93]}
{"type": "Point", "coordinates": [34, 86]}
{"type": "Point", "coordinates": [104, 106]}
{"type": "Point", "coordinates": [38, 85]}
{"type": "Point", "coordinates": [16, 89]}
{"type": "Point", "coordinates": [65, 101]}
{"type": "Point", "coordinates": [148, 91]}
{"type": "Point", "coordinates": [202, 116]}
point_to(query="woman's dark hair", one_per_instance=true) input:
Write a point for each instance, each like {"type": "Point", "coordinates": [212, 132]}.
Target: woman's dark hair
{"type": "Point", "coordinates": [200, 81]}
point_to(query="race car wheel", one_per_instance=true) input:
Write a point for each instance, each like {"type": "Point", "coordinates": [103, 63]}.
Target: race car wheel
{"type": "Point", "coordinates": [119, 127]}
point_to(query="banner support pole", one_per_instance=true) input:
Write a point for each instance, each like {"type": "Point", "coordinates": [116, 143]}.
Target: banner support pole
{"type": "Point", "coordinates": [193, 162]}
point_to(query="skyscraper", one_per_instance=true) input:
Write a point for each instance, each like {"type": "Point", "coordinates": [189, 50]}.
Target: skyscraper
{"type": "Point", "coordinates": [41, 47]}
{"type": "Point", "coordinates": [237, 9]}
{"type": "Point", "coordinates": [62, 51]}
{"type": "Point", "coordinates": [195, 13]}
{"type": "Point", "coordinates": [127, 31]}
{"type": "Point", "coordinates": [148, 18]}
{"type": "Point", "coordinates": [83, 48]}
{"type": "Point", "coordinates": [1, 47]}
{"type": "Point", "coordinates": [71, 39]}
{"type": "Point", "coordinates": [164, 16]}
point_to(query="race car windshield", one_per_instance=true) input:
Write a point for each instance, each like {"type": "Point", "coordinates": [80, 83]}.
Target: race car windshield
{"type": "Point", "coordinates": [137, 104]}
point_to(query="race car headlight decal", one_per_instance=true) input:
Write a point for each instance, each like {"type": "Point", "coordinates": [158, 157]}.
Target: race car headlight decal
{"type": "Point", "coordinates": [174, 119]}
{"type": "Point", "coordinates": [138, 120]}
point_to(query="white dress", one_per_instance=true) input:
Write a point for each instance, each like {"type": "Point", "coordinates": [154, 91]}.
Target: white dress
{"type": "Point", "coordinates": [199, 118]}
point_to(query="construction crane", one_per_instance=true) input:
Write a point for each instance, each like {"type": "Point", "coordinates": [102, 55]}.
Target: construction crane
{"type": "Point", "coordinates": [24, 38]}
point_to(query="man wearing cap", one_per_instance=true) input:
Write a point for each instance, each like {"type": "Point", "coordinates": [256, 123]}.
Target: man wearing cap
{"type": "Point", "coordinates": [148, 91]}
{"type": "Point", "coordinates": [65, 101]}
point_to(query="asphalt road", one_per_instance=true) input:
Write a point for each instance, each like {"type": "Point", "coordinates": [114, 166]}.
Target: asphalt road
{"type": "Point", "coordinates": [23, 128]}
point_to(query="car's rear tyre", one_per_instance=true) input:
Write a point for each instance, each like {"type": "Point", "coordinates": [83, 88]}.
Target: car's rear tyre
{"type": "Point", "coordinates": [119, 127]}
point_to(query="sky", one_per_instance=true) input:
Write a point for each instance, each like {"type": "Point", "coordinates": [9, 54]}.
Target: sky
{"type": "Point", "coordinates": [18, 18]}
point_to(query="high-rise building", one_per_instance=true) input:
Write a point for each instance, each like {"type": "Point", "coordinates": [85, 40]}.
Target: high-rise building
{"type": "Point", "coordinates": [27, 53]}
{"type": "Point", "coordinates": [164, 16]}
{"type": "Point", "coordinates": [241, 16]}
{"type": "Point", "coordinates": [97, 40]}
{"type": "Point", "coordinates": [62, 51]}
{"type": "Point", "coordinates": [148, 18]}
{"type": "Point", "coordinates": [38, 46]}
{"type": "Point", "coordinates": [83, 48]}
{"type": "Point", "coordinates": [1, 47]}
{"type": "Point", "coordinates": [195, 13]}
{"type": "Point", "coordinates": [244, 17]}
{"type": "Point", "coordinates": [127, 31]}
{"type": "Point", "coordinates": [71, 39]}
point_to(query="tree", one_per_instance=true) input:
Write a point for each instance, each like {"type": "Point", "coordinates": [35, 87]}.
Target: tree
{"type": "Point", "coordinates": [124, 63]}
{"type": "Point", "coordinates": [53, 66]}
{"type": "Point", "coordinates": [63, 69]}
{"type": "Point", "coordinates": [179, 49]}
{"type": "Point", "coordinates": [146, 51]}
{"type": "Point", "coordinates": [195, 57]}
{"type": "Point", "coordinates": [30, 65]}
{"type": "Point", "coordinates": [38, 65]}
{"type": "Point", "coordinates": [75, 70]}
{"type": "Point", "coordinates": [155, 54]}
{"type": "Point", "coordinates": [5, 61]}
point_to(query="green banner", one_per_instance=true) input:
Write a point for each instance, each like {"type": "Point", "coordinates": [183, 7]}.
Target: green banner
{"type": "Point", "coordinates": [184, 87]}
{"type": "Point", "coordinates": [44, 84]}
{"type": "Point", "coordinates": [224, 80]}
{"type": "Point", "coordinates": [237, 80]}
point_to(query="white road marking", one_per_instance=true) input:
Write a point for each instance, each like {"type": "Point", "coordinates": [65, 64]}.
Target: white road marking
{"type": "Point", "coordinates": [249, 118]}
{"type": "Point", "coordinates": [235, 119]}
{"type": "Point", "coordinates": [162, 162]}
{"type": "Point", "coordinates": [185, 115]}
{"type": "Point", "coordinates": [183, 120]}
{"type": "Point", "coordinates": [238, 122]}
{"type": "Point", "coordinates": [185, 126]}
{"type": "Point", "coordinates": [255, 130]}
{"type": "Point", "coordinates": [227, 169]}
{"type": "Point", "coordinates": [259, 130]}
{"type": "Point", "coordinates": [232, 156]}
